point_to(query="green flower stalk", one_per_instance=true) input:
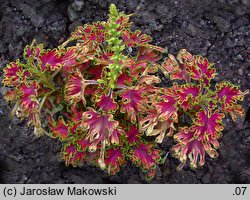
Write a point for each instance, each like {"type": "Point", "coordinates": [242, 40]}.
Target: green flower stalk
{"type": "Point", "coordinates": [115, 41]}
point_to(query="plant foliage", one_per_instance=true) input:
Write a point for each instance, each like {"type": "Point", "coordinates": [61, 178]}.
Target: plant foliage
{"type": "Point", "coordinates": [99, 94]}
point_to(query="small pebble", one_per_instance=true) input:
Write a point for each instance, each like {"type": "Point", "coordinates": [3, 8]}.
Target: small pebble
{"type": "Point", "coordinates": [240, 57]}
{"type": "Point", "coordinates": [240, 71]}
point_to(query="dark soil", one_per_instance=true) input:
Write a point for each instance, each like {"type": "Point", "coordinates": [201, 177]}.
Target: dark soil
{"type": "Point", "coordinates": [218, 29]}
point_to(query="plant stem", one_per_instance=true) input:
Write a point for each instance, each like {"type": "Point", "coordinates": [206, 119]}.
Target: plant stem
{"type": "Point", "coordinates": [42, 102]}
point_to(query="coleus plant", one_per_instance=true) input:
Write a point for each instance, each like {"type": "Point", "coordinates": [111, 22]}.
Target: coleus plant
{"type": "Point", "coordinates": [99, 94]}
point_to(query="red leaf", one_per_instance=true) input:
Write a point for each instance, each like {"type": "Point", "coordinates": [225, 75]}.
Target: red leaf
{"type": "Point", "coordinates": [234, 110]}
{"type": "Point", "coordinates": [131, 101]}
{"type": "Point", "coordinates": [184, 56]}
{"type": "Point", "coordinates": [105, 58]}
{"type": "Point", "coordinates": [146, 157]}
{"type": "Point", "coordinates": [123, 21]}
{"type": "Point", "coordinates": [201, 70]}
{"type": "Point", "coordinates": [28, 93]}
{"type": "Point", "coordinates": [83, 144]}
{"type": "Point", "coordinates": [90, 33]}
{"type": "Point", "coordinates": [178, 69]}
{"type": "Point", "coordinates": [28, 52]}
{"type": "Point", "coordinates": [69, 58]}
{"type": "Point", "coordinates": [71, 155]}
{"type": "Point", "coordinates": [135, 39]}
{"type": "Point", "coordinates": [167, 107]}
{"type": "Point", "coordinates": [161, 117]}
{"type": "Point", "coordinates": [11, 95]}
{"type": "Point", "coordinates": [156, 48]}
{"type": "Point", "coordinates": [14, 74]}
{"type": "Point", "coordinates": [100, 128]}
{"type": "Point", "coordinates": [60, 129]}
{"type": "Point", "coordinates": [124, 79]}
{"type": "Point", "coordinates": [228, 94]}
{"type": "Point", "coordinates": [202, 137]}
{"type": "Point", "coordinates": [32, 51]}
{"type": "Point", "coordinates": [95, 71]}
{"type": "Point", "coordinates": [209, 123]}
{"type": "Point", "coordinates": [135, 68]}
{"type": "Point", "coordinates": [149, 122]}
{"type": "Point", "coordinates": [75, 87]}
{"type": "Point", "coordinates": [146, 54]}
{"type": "Point", "coordinates": [149, 80]}
{"type": "Point", "coordinates": [76, 115]}
{"type": "Point", "coordinates": [172, 67]}
{"type": "Point", "coordinates": [107, 103]}
{"type": "Point", "coordinates": [114, 160]}
{"type": "Point", "coordinates": [154, 127]}
{"type": "Point", "coordinates": [188, 147]}
{"type": "Point", "coordinates": [188, 95]}
{"type": "Point", "coordinates": [133, 135]}
{"type": "Point", "coordinates": [51, 60]}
